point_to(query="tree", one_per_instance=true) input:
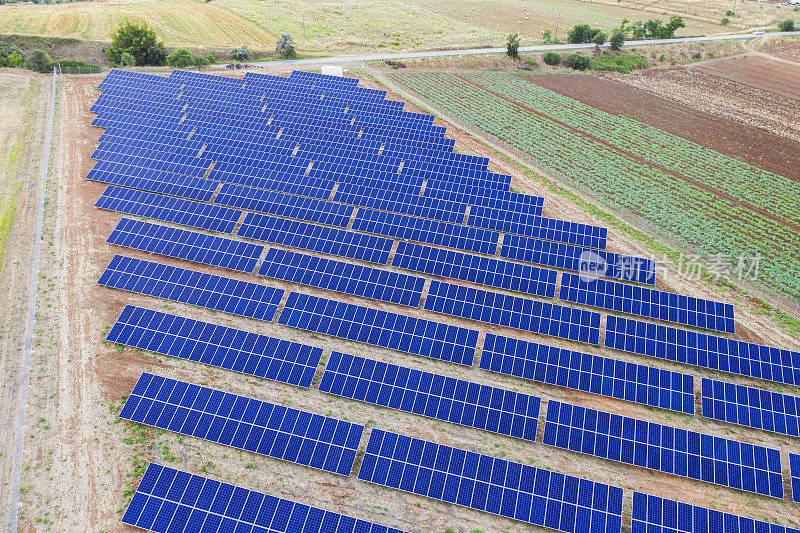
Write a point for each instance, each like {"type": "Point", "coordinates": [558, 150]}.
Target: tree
{"type": "Point", "coordinates": [579, 34]}
{"type": "Point", "coordinates": [285, 47]}
{"type": "Point", "coordinates": [577, 61]}
{"type": "Point", "coordinates": [786, 25]}
{"type": "Point", "coordinates": [617, 39]}
{"type": "Point", "coordinates": [134, 39]}
{"type": "Point", "coordinates": [180, 58]}
{"type": "Point", "coordinates": [512, 46]}
{"type": "Point", "coordinates": [240, 54]}
{"type": "Point", "coordinates": [127, 60]}
{"type": "Point", "coordinates": [38, 61]}
{"type": "Point", "coordinates": [551, 58]}
{"type": "Point", "coordinates": [729, 13]}
{"type": "Point", "coordinates": [675, 23]}
{"type": "Point", "coordinates": [547, 37]}
{"type": "Point", "coordinates": [599, 39]}
{"type": "Point", "coordinates": [200, 62]}
{"type": "Point", "coordinates": [725, 21]}
{"type": "Point", "coordinates": [156, 55]}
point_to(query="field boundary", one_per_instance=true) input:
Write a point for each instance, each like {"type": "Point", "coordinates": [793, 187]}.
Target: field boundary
{"type": "Point", "coordinates": [30, 322]}
{"type": "Point", "coordinates": [764, 293]}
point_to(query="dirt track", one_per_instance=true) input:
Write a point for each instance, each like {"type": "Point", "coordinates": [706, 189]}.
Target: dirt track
{"type": "Point", "coordinates": [81, 464]}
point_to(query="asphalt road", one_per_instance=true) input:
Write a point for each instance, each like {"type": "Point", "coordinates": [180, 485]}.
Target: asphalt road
{"type": "Point", "coordinates": [537, 48]}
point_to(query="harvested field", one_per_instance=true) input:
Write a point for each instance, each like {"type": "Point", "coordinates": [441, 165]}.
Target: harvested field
{"type": "Point", "coordinates": [788, 51]}
{"type": "Point", "coordinates": [725, 135]}
{"type": "Point", "coordinates": [757, 71]}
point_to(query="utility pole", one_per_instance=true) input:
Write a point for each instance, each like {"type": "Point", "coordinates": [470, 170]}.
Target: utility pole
{"type": "Point", "coordinates": [558, 20]}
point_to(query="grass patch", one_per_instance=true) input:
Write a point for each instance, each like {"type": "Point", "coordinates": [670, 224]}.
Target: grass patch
{"type": "Point", "coordinates": [623, 63]}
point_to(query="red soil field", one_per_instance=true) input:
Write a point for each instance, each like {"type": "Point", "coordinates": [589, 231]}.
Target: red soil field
{"type": "Point", "coordinates": [725, 135]}
{"type": "Point", "coordinates": [778, 77]}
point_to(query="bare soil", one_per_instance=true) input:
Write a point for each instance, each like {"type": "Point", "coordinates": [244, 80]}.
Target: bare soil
{"type": "Point", "coordinates": [79, 467]}
{"type": "Point", "coordinates": [776, 77]}
{"type": "Point", "coordinates": [787, 51]}
{"type": "Point", "coordinates": [722, 134]}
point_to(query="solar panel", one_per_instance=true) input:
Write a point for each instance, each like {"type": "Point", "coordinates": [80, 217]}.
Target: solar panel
{"type": "Point", "coordinates": [428, 231]}
{"type": "Point", "coordinates": [153, 180]}
{"type": "Point", "coordinates": [285, 205]}
{"type": "Point", "coordinates": [794, 470]}
{"type": "Point", "coordinates": [211, 344]}
{"type": "Point", "coordinates": [514, 312]}
{"type": "Point", "coordinates": [260, 427]}
{"type": "Point", "coordinates": [168, 209]}
{"type": "Point", "coordinates": [700, 349]}
{"type": "Point", "coordinates": [343, 277]}
{"type": "Point", "coordinates": [717, 460]}
{"type": "Point", "coordinates": [522, 492]}
{"type": "Point", "coordinates": [401, 202]}
{"type": "Point", "coordinates": [316, 238]}
{"type": "Point", "coordinates": [435, 396]}
{"type": "Point", "coordinates": [172, 500]}
{"type": "Point", "coordinates": [380, 328]}
{"type": "Point", "coordinates": [184, 244]}
{"type": "Point", "coordinates": [584, 260]}
{"type": "Point", "coordinates": [589, 373]}
{"type": "Point", "coordinates": [647, 302]}
{"type": "Point", "coordinates": [656, 514]}
{"type": "Point", "coordinates": [751, 407]}
{"type": "Point", "coordinates": [477, 269]}
{"type": "Point", "coordinates": [196, 288]}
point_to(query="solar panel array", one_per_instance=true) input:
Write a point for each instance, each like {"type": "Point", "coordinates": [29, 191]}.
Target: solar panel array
{"type": "Point", "coordinates": [700, 349]}
{"type": "Point", "coordinates": [654, 513]}
{"type": "Point", "coordinates": [316, 238]}
{"type": "Point", "coordinates": [196, 288]}
{"type": "Point", "coordinates": [523, 492]}
{"type": "Point", "coordinates": [171, 500]}
{"type": "Point", "coordinates": [184, 244]}
{"type": "Point", "coordinates": [794, 471]}
{"type": "Point", "coordinates": [514, 312]}
{"type": "Point", "coordinates": [476, 269]}
{"type": "Point", "coordinates": [155, 181]}
{"type": "Point", "coordinates": [344, 277]}
{"type": "Point", "coordinates": [589, 373]}
{"type": "Point", "coordinates": [664, 448]}
{"type": "Point", "coordinates": [212, 344]}
{"type": "Point", "coordinates": [752, 407]}
{"type": "Point", "coordinates": [647, 302]}
{"type": "Point", "coordinates": [260, 427]}
{"type": "Point", "coordinates": [380, 328]}
{"type": "Point", "coordinates": [432, 395]}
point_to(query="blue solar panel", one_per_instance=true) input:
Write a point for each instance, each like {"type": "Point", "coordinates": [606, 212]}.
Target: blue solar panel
{"type": "Point", "coordinates": [794, 471]}
{"type": "Point", "coordinates": [752, 407]}
{"type": "Point", "coordinates": [184, 244]}
{"type": "Point", "coordinates": [588, 373]}
{"type": "Point", "coordinates": [196, 288]}
{"type": "Point", "coordinates": [647, 302]}
{"type": "Point", "coordinates": [259, 427]}
{"type": "Point", "coordinates": [655, 514]}
{"type": "Point", "coordinates": [285, 205]}
{"type": "Point", "coordinates": [584, 260]}
{"type": "Point", "coordinates": [168, 209]}
{"type": "Point", "coordinates": [380, 328]}
{"type": "Point", "coordinates": [211, 344]}
{"type": "Point", "coordinates": [401, 202]}
{"type": "Point", "coordinates": [699, 349]}
{"type": "Point", "coordinates": [514, 312]}
{"type": "Point", "coordinates": [153, 180]}
{"type": "Point", "coordinates": [344, 277]}
{"type": "Point", "coordinates": [664, 448]}
{"type": "Point", "coordinates": [497, 486]}
{"type": "Point", "coordinates": [316, 238]}
{"type": "Point", "coordinates": [435, 396]}
{"type": "Point", "coordinates": [428, 231]}
{"type": "Point", "coordinates": [170, 500]}
{"type": "Point", "coordinates": [475, 268]}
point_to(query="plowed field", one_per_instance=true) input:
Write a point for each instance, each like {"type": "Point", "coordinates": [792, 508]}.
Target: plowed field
{"type": "Point", "coordinates": [777, 77]}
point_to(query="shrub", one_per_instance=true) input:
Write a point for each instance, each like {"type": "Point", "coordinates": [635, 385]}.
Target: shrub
{"type": "Point", "coordinates": [134, 39]}
{"type": "Point", "coordinates": [156, 55]}
{"type": "Point", "coordinates": [77, 66]}
{"type": "Point", "coordinates": [599, 39]}
{"type": "Point", "coordinates": [551, 58]}
{"type": "Point", "coordinates": [285, 47]}
{"type": "Point", "coordinates": [38, 61]}
{"type": "Point", "coordinates": [617, 39]}
{"type": "Point", "coordinates": [582, 33]}
{"type": "Point", "coordinates": [512, 46]}
{"type": "Point", "coordinates": [200, 62]}
{"type": "Point", "coordinates": [725, 21]}
{"type": "Point", "coordinates": [11, 56]}
{"type": "Point", "coordinates": [180, 58]}
{"type": "Point", "coordinates": [240, 54]}
{"type": "Point", "coordinates": [127, 60]}
{"type": "Point", "coordinates": [624, 63]}
{"type": "Point", "coordinates": [786, 25]}
{"type": "Point", "coordinates": [577, 61]}
{"type": "Point", "coordinates": [729, 13]}
{"type": "Point", "coordinates": [529, 64]}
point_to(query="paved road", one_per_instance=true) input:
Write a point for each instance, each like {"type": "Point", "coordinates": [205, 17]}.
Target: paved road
{"type": "Point", "coordinates": [537, 48]}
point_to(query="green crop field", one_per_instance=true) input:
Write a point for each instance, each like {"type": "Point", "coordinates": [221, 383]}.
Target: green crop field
{"type": "Point", "coordinates": [351, 26]}
{"type": "Point", "coordinates": [726, 207]}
